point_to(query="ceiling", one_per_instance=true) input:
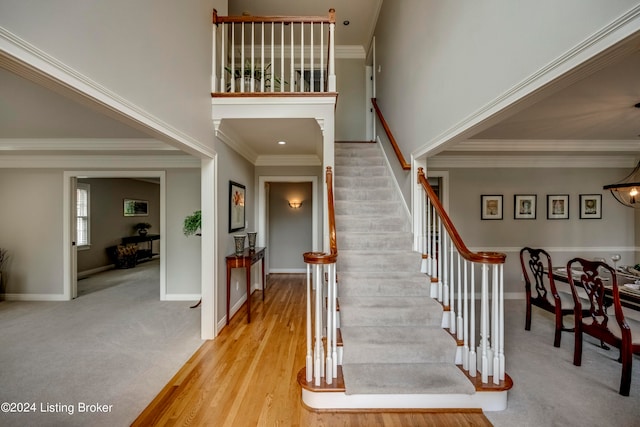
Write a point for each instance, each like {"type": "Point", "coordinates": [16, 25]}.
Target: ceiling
{"type": "Point", "coordinates": [600, 107]}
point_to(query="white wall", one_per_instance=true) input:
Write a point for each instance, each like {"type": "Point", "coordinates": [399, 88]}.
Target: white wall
{"type": "Point", "coordinates": [154, 54]}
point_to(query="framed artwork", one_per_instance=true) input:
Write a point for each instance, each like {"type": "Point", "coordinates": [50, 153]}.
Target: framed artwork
{"type": "Point", "coordinates": [236, 206]}
{"type": "Point", "coordinates": [557, 206]}
{"type": "Point", "coordinates": [591, 206]}
{"type": "Point", "coordinates": [134, 207]}
{"type": "Point", "coordinates": [491, 206]}
{"type": "Point", "coordinates": [524, 206]}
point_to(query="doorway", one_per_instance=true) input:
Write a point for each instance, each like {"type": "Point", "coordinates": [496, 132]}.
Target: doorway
{"type": "Point", "coordinates": [70, 250]}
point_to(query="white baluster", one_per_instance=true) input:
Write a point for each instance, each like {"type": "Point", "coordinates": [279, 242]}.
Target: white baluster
{"type": "Point", "coordinates": [263, 73]}
{"type": "Point", "coordinates": [291, 78]}
{"type": "Point", "coordinates": [318, 353]}
{"type": "Point", "coordinates": [233, 57]}
{"type": "Point", "coordinates": [302, 89]}
{"type": "Point", "coordinates": [252, 84]}
{"type": "Point", "coordinates": [332, 63]}
{"type": "Point", "coordinates": [321, 58]}
{"type": "Point", "coordinates": [484, 328]}
{"type": "Point", "coordinates": [465, 319]}
{"type": "Point", "coordinates": [311, 63]}
{"type": "Point", "coordinates": [272, 58]}
{"type": "Point", "coordinates": [472, 325]}
{"type": "Point", "coordinates": [282, 72]}
{"type": "Point", "coordinates": [223, 59]}
{"type": "Point", "coordinates": [309, 360]}
{"type": "Point", "coordinates": [214, 77]}
{"type": "Point", "coordinates": [460, 298]}
{"type": "Point", "coordinates": [499, 372]}
{"type": "Point", "coordinates": [330, 296]}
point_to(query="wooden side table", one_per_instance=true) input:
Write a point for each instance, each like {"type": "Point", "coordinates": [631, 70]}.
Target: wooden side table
{"type": "Point", "coordinates": [244, 260]}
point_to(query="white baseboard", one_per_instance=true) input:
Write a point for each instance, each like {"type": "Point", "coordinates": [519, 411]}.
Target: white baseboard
{"type": "Point", "coordinates": [287, 270]}
{"type": "Point", "coordinates": [87, 273]}
{"type": "Point", "coordinates": [33, 297]}
{"type": "Point", "coordinates": [182, 297]}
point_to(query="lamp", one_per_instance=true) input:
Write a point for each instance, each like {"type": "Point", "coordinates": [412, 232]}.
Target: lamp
{"type": "Point", "coordinates": [294, 204]}
{"type": "Point", "coordinates": [626, 191]}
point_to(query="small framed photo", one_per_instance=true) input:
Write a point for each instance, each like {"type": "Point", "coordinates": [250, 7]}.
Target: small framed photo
{"type": "Point", "coordinates": [134, 207]}
{"type": "Point", "coordinates": [591, 206]}
{"type": "Point", "coordinates": [491, 206]}
{"type": "Point", "coordinates": [524, 206]}
{"type": "Point", "coordinates": [557, 206]}
{"type": "Point", "coordinates": [236, 206]}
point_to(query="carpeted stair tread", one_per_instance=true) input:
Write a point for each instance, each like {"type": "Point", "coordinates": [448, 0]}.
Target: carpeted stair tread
{"type": "Point", "coordinates": [361, 240]}
{"type": "Point", "coordinates": [371, 223]}
{"type": "Point", "coordinates": [378, 311]}
{"type": "Point", "coordinates": [378, 260]}
{"type": "Point", "coordinates": [406, 378]}
{"type": "Point", "coordinates": [385, 283]}
{"type": "Point", "coordinates": [355, 207]}
{"type": "Point", "coordinates": [393, 344]}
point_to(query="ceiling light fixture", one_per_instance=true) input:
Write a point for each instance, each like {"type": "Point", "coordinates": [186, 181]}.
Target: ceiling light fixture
{"type": "Point", "coordinates": [627, 190]}
{"type": "Point", "coordinates": [282, 143]}
{"type": "Point", "coordinates": [346, 22]}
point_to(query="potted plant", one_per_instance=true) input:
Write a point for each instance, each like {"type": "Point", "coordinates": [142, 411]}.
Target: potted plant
{"type": "Point", "coordinates": [257, 74]}
{"type": "Point", "coordinates": [142, 228]}
{"type": "Point", "coordinates": [192, 224]}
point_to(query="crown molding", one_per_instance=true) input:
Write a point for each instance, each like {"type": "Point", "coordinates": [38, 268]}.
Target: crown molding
{"type": "Point", "coordinates": [288, 160]}
{"type": "Point", "coordinates": [231, 139]}
{"type": "Point", "coordinates": [530, 161]}
{"type": "Point", "coordinates": [98, 161]}
{"type": "Point", "coordinates": [533, 145]}
{"type": "Point", "coordinates": [84, 144]}
{"type": "Point", "coordinates": [28, 61]}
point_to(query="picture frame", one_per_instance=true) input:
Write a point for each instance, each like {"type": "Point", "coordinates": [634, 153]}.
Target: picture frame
{"type": "Point", "coordinates": [557, 206]}
{"type": "Point", "coordinates": [524, 206]}
{"type": "Point", "coordinates": [236, 206]}
{"type": "Point", "coordinates": [491, 206]}
{"type": "Point", "coordinates": [591, 206]}
{"type": "Point", "coordinates": [134, 207]}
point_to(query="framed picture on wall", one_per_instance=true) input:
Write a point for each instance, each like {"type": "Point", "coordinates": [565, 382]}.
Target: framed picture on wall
{"type": "Point", "coordinates": [134, 207]}
{"type": "Point", "coordinates": [236, 206]}
{"type": "Point", "coordinates": [557, 206]}
{"type": "Point", "coordinates": [524, 206]}
{"type": "Point", "coordinates": [591, 206]}
{"type": "Point", "coordinates": [491, 206]}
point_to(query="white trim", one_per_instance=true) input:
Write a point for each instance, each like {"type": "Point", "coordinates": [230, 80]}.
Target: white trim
{"type": "Point", "coordinates": [567, 68]}
{"type": "Point", "coordinates": [530, 161]}
{"type": "Point", "coordinates": [98, 161]}
{"type": "Point", "coordinates": [28, 61]}
{"type": "Point", "coordinates": [546, 145]}
{"type": "Point", "coordinates": [66, 221]}
{"type": "Point", "coordinates": [288, 160]}
{"type": "Point", "coordinates": [84, 144]}
{"type": "Point", "coordinates": [551, 249]}
{"type": "Point", "coordinates": [265, 102]}
{"type": "Point", "coordinates": [35, 297]}
{"type": "Point", "coordinates": [182, 297]}
{"type": "Point", "coordinates": [394, 178]}
{"type": "Point", "coordinates": [287, 270]}
{"type": "Point", "coordinates": [234, 142]}
{"type": "Point", "coordinates": [209, 241]}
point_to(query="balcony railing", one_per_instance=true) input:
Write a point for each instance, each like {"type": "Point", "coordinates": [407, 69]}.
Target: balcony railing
{"type": "Point", "coordinates": [273, 54]}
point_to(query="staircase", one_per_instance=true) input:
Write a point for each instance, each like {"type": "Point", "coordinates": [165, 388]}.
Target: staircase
{"type": "Point", "coordinates": [395, 352]}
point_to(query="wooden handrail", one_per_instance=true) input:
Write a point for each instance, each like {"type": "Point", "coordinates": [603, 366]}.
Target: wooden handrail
{"type": "Point", "coordinates": [394, 144]}
{"type": "Point", "coordinates": [481, 257]}
{"type": "Point", "coordinates": [330, 19]}
{"type": "Point", "coordinates": [332, 256]}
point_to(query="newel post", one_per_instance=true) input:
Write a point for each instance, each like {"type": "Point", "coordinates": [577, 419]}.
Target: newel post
{"type": "Point", "coordinates": [332, 51]}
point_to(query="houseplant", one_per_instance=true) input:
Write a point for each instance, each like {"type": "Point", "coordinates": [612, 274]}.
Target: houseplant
{"type": "Point", "coordinates": [192, 224]}
{"type": "Point", "coordinates": [257, 74]}
{"type": "Point", "coordinates": [142, 228]}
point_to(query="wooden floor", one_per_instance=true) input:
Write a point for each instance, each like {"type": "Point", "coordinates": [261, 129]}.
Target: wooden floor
{"type": "Point", "coordinates": [247, 375]}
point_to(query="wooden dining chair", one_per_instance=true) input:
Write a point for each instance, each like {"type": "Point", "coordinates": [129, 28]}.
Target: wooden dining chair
{"type": "Point", "coordinates": [615, 332]}
{"type": "Point", "coordinates": [534, 262]}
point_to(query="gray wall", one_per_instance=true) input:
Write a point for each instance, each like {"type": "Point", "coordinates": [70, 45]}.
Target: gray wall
{"type": "Point", "coordinates": [351, 106]}
{"type": "Point", "coordinates": [233, 167]}
{"type": "Point", "coordinates": [108, 224]}
{"type": "Point", "coordinates": [289, 229]}
{"type": "Point", "coordinates": [589, 238]}
{"type": "Point", "coordinates": [136, 50]}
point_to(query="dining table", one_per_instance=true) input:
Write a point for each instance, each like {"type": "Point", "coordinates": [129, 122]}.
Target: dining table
{"type": "Point", "coordinates": [628, 289]}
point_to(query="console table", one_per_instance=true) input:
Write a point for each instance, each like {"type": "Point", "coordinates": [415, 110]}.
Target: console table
{"type": "Point", "coordinates": [244, 260]}
{"type": "Point", "coordinates": [146, 240]}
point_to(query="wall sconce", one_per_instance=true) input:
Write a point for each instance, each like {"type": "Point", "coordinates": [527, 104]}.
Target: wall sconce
{"type": "Point", "coordinates": [294, 204]}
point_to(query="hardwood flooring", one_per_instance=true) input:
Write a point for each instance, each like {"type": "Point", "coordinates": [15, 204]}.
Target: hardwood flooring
{"type": "Point", "coordinates": [247, 375]}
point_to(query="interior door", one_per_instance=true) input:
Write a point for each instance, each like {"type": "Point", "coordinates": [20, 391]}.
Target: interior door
{"type": "Point", "coordinates": [74, 233]}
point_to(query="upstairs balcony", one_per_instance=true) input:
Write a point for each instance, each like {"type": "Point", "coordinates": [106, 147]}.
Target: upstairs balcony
{"type": "Point", "coordinates": [273, 56]}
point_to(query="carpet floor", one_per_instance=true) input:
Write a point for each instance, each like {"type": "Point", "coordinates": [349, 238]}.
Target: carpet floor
{"type": "Point", "coordinates": [97, 360]}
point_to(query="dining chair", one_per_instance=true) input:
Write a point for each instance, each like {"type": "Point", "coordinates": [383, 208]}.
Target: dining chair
{"type": "Point", "coordinates": [596, 323]}
{"type": "Point", "coordinates": [537, 272]}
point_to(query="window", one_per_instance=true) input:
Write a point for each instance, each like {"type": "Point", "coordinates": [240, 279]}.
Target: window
{"type": "Point", "coordinates": [82, 214]}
